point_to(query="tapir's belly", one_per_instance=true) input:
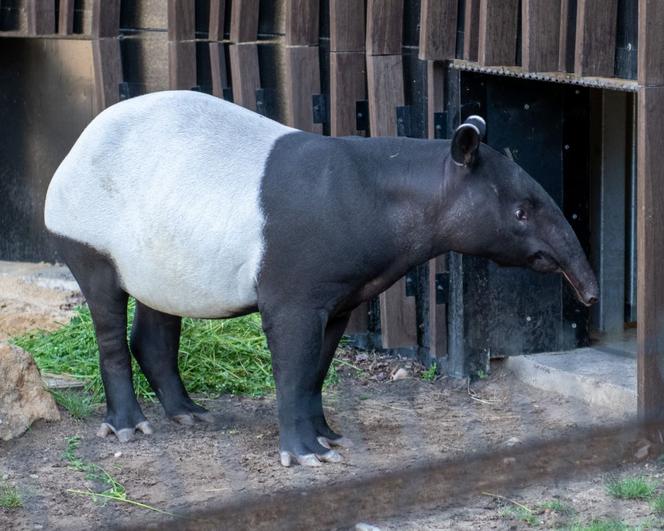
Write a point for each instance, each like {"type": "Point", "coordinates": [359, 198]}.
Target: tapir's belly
{"type": "Point", "coordinates": [169, 187]}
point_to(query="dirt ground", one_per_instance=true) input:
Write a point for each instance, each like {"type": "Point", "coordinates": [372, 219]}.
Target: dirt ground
{"type": "Point", "coordinates": [394, 424]}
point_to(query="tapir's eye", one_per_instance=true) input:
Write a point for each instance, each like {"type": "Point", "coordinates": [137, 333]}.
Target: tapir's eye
{"type": "Point", "coordinates": [520, 214]}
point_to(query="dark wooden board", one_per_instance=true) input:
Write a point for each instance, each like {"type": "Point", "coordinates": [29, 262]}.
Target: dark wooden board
{"type": "Point", "coordinates": [107, 68]}
{"type": "Point", "coordinates": [303, 74]}
{"type": "Point", "coordinates": [567, 35]}
{"type": "Point", "coordinates": [347, 26]}
{"type": "Point", "coordinates": [435, 95]}
{"type": "Point", "coordinates": [66, 17]}
{"type": "Point", "coordinates": [497, 33]}
{"type": "Point", "coordinates": [41, 17]}
{"type": "Point", "coordinates": [244, 20]}
{"type": "Point", "coordinates": [398, 320]}
{"type": "Point", "coordinates": [359, 320]}
{"type": "Point", "coordinates": [650, 253]}
{"type": "Point", "coordinates": [540, 35]}
{"type": "Point", "coordinates": [181, 22]}
{"type": "Point", "coordinates": [386, 93]}
{"type": "Point", "coordinates": [471, 30]}
{"type": "Point", "coordinates": [245, 74]}
{"type": "Point", "coordinates": [105, 18]}
{"type": "Point", "coordinates": [595, 47]}
{"type": "Point", "coordinates": [217, 14]}
{"type": "Point", "coordinates": [348, 85]}
{"type": "Point", "coordinates": [181, 65]}
{"type": "Point", "coordinates": [302, 22]}
{"type": "Point", "coordinates": [651, 43]}
{"type": "Point", "coordinates": [218, 69]}
{"type": "Point", "coordinates": [437, 312]}
{"type": "Point", "coordinates": [438, 29]}
{"type": "Point", "coordinates": [384, 27]}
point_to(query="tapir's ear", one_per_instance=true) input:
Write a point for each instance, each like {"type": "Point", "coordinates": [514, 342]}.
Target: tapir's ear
{"type": "Point", "coordinates": [466, 140]}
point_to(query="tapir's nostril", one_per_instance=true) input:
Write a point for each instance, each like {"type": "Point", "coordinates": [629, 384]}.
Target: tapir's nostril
{"type": "Point", "coordinates": [591, 300]}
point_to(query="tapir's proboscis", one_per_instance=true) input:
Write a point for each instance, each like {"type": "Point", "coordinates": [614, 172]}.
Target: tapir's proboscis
{"type": "Point", "coordinates": [197, 207]}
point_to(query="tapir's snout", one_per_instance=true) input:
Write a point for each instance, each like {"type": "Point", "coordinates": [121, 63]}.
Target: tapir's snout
{"type": "Point", "coordinates": [586, 288]}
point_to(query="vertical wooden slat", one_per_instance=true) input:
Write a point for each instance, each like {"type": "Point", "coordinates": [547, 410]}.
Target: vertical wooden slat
{"type": "Point", "coordinates": [471, 30]}
{"type": "Point", "coordinates": [217, 19]}
{"type": "Point", "coordinates": [348, 85]}
{"type": "Point", "coordinates": [302, 22]}
{"type": "Point", "coordinates": [384, 27]}
{"type": "Point", "coordinates": [244, 20]}
{"type": "Point", "coordinates": [595, 46]}
{"type": "Point", "coordinates": [66, 17]}
{"type": "Point", "coordinates": [438, 29]}
{"type": "Point", "coordinates": [41, 17]}
{"type": "Point", "coordinates": [303, 72]}
{"type": "Point", "coordinates": [650, 216]}
{"type": "Point", "coordinates": [567, 35]}
{"type": "Point", "coordinates": [181, 44]}
{"type": "Point", "coordinates": [181, 25]}
{"type": "Point", "coordinates": [105, 18]}
{"type": "Point", "coordinates": [218, 69]}
{"type": "Point", "coordinates": [107, 66]}
{"type": "Point", "coordinates": [540, 35]}
{"type": "Point", "coordinates": [347, 26]}
{"type": "Point", "coordinates": [497, 33]}
{"type": "Point", "coordinates": [245, 74]}
{"type": "Point", "coordinates": [386, 93]}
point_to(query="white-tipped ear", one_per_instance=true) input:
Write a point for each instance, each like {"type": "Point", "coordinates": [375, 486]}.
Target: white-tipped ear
{"type": "Point", "coordinates": [465, 143]}
{"type": "Point", "coordinates": [478, 122]}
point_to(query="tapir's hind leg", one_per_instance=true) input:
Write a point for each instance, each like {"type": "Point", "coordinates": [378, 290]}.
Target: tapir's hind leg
{"type": "Point", "coordinates": [98, 280]}
{"type": "Point", "coordinates": [155, 339]}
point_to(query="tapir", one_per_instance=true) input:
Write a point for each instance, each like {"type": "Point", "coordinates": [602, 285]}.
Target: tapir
{"type": "Point", "coordinates": [198, 207]}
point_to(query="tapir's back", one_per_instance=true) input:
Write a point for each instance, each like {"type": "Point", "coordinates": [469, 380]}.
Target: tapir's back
{"type": "Point", "coordinates": [168, 186]}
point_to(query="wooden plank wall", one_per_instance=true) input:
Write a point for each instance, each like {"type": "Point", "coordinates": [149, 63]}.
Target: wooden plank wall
{"type": "Point", "coordinates": [181, 44]}
{"type": "Point", "coordinates": [540, 35]}
{"type": "Point", "coordinates": [595, 45]}
{"type": "Point", "coordinates": [106, 57]}
{"type": "Point", "coordinates": [41, 17]}
{"type": "Point", "coordinates": [471, 30]}
{"type": "Point", "coordinates": [650, 220]}
{"type": "Point", "coordinates": [567, 36]}
{"type": "Point", "coordinates": [243, 53]}
{"type": "Point", "coordinates": [218, 66]}
{"type": "Point", "coordinates": [302, 63]}
{"type": "Point", "coordinates": [385, 88]}
{"type": "Point", "coordinates": [438, 29]}
{"type": "Point", "coordinates": [498, 32]}
{"type": "Point", "coordinates": [66, 17]}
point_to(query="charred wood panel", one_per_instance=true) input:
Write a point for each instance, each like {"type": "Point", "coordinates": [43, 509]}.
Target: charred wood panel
{"type": "Point", "coordinates": [438, 25]}
{"type": "Point", "coordinates": [498, 32]}
{"type": "Point", "coordinates": [595, 37]}
{"type": "Point", "coordinates": [540, 23]}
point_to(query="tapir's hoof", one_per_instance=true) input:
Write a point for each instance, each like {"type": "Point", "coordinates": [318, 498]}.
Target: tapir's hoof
{"type": "Point", "coordinates": [125, 434]}
{"type": "Point", "coordinates": [187, 419]}
{"type": "Point", "coordinates": [342, 442]}
{"type": "Point", "coordinates": [288, 459]}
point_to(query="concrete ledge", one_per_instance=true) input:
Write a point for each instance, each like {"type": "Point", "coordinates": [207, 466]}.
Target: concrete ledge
{"type": "Point", "coordinates": [593, 376]}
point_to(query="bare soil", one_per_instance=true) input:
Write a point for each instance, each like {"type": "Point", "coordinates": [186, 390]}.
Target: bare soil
{"type": "Point", "coordinates": [394, 424]}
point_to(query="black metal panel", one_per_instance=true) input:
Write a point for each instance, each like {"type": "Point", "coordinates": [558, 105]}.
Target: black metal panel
{"type": "Point", "coordinates": [46, 95]}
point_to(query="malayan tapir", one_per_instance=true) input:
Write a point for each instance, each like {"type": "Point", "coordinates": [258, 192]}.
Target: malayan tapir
{"type": "Point", "coordinates": [198, 207]}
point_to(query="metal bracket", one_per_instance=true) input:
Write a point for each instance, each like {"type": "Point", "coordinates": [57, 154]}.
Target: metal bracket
{"type": "Point", "coordinates": [319, 108]}
{"type": "Point", "coordinates": [442, 288]}
{"type": "Point", "coordinates": [362, 115]}
{"type": "Point", "coordinates": [265, 101]}
{"type": "Point", "coordinates": [439, 124]}
{"type": "Point", "coordinates": [411, 282]}
{"type": "Point", "coordinates": [404, 118]}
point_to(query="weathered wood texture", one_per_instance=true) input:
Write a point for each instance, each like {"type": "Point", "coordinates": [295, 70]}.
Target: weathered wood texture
{"type": "Point", "coordinates": [540, 35]}
{"type": "Point", "coordinates": [244, 20]}
{"type": "Point", "coordinates": [217, 19]}
{"type": "Point", "coordinates": [107, 66]}
{"type": "Point", "coordinates": [302, 22]}
{"type": "Point", "coordinates": [218, 69]}
{"type": "Point", "coordinates": [66, 17]}
{"type": "Point", "coordinates": [650, 216]}
{"type": "Point", "coordinates": [651, 43]}
{"type": "Point", "coordinates": [181, 22]}
{"type": "Point", "coordinates": [348, 85]}
{"type": "Point", "coordinates": [595, 46]}
{"type": "Point", "coordinates": [497, 33]}
{"type": "Point", "coordinates": [435, 95]}
{"type": "Point", "coordinates": [245, 75]}
{"type": "Point", "coordinates": [471, 30]}
{"type": "Point", "coordinates": [567, 36]}
{"type": "Point", "coordinates": [347, 26]}
{"type": "Point", "coordinates": [303, 72]}
{"type": "Point", "coordinates": [182, 65]}
{"type": "Point", "coordinates": [438, 29]}
{"type": "Point", "coordinates": [384, 27]}
{"type": "Point", "coordinates": [41, 17]}
{"type": "Point", "coordinates": [105, 18]}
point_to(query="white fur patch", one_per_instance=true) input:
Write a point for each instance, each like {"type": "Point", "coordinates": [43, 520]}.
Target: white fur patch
{"type": "Point", "coordinates": [168, 185]}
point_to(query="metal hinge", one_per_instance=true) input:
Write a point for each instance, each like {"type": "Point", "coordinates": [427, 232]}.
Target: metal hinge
{"type": "Point", "coordinates": [319, 108]}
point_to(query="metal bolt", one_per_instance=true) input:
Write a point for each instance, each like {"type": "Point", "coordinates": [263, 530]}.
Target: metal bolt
{"type": "Point", "coordinates": [526, 106]}
{"type": "Point", "coordinates": [573, 325]}
{"type": "Point", "coordinates": [574, 216]}
{"type": "Point", "coordinates": [528, 318]}
{"type": "Point", "coordinates": [566, 146]}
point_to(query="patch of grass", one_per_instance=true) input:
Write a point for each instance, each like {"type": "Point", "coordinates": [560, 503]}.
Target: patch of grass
{"type": "Point", "coordinates": [113, 489]}
{"type": "Point", "coordinates": [601, 525]}
{"type": "Point", "coordinates": [430, 374]}
{"type": "Point", "coordinates": [79, 404]}
{"type": "Point", "coordinates": [9, 497]}
{"type": "Point", "coordinates": [216, 356]}
{"type": "Point", "coordinates": [632, 488]}
{"type": "Point", "coordinates": [558, 507]}
{"type": "Point", "coordinates": [522, 514]}
{"type": "Point", "coordinates": [657, 505]}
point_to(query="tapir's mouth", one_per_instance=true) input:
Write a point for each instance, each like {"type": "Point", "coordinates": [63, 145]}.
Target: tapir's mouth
{"type": "Point", "coordinates": [585, 299]}
{"type": "Point", "coordinates": [545, 263]}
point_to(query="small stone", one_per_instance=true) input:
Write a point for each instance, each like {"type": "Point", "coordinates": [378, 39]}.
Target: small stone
{"type": "Point", "coordinates": [400, 374]}
{"type": "Point", "coordinates": [643, 452]}
{"type": "Point", "coordinates": [381, 376]}
{"type": "Point", "coordinates": [117, 454]}
{"type": "Point", "coordinates": [366, 527]}
{"type": "Point", "coordinates": [512, 441]}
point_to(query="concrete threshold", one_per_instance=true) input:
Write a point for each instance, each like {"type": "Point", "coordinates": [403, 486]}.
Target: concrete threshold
{"type": "Point", "coordinates": [599, 377]}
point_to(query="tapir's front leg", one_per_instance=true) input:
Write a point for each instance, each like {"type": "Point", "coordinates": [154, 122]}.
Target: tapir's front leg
{"type": "Point", "coordinates": [295, 338]}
